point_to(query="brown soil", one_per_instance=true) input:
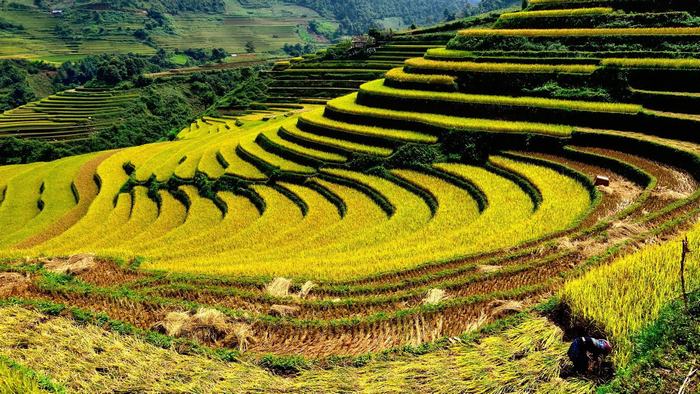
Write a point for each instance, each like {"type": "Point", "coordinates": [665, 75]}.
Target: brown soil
{"type": "Point", "coordinates": [13, 284]}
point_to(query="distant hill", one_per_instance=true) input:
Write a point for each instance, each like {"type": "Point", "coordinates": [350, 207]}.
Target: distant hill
{"type": "Point", "coordinates": [356, 16]}
{"type": "Point", "coordinates": [61, 30]}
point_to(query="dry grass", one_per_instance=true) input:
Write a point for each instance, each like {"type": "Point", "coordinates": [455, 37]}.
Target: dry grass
{"type": "Point", "coordinates": [525, 358]}
{"type": "Point", "coordinates": [283, 310]}
{"type": "Point", "coordinates": [12, 284]}
{"type": "Point", "coordinates": [279, 287]}
{"type": "Point", "coordinates": [306, 289]}
{"type": "Point", "coordinates": [74, 265]}
{"type": "Point", "coordinates": [87, 359]}
{"type": "Point", "coordinates": [489, 268]}
{"type": "Point", "coordinates": [434, 297]}
{"type": "Point", "coordinates": [207, 326]}
{"type": "Point", "coordinates": [624, 229]}
{"type": "Point", "coordinates": [501, 308]}
{"type": "Point", "coordinates": [626, 191]}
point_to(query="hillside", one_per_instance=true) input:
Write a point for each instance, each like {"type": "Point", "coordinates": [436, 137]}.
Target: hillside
{"type": "Point", "coordinates": [141, 27]}
{"type": "Point", "coordinates": [441, 215]}
{"type": "Point", "coordinates": [59, 31]}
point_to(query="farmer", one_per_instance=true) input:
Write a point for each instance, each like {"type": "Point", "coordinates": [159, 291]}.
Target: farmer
{"type": "Point", "coordinates": [585, 350]}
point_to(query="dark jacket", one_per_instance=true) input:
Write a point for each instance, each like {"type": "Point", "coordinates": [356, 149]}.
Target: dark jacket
{"type": "Point", "coordinates": [578, 352]}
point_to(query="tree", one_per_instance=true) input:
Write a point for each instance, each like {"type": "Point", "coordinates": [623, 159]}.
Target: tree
{"type": "Point", "coordinates": [218, 54]}
{"type": "Point", "coordinates": [141, 34]}
{"type": "Point", "coordinates": [109, 74]}
{"type": "Point", "coordinates": [250, 47]}
{"type": "Point", "coordinates": [449, 16]}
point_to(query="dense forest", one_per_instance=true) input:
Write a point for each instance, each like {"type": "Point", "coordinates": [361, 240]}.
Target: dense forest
{"type": "Point", "coordinates": [356, 16]}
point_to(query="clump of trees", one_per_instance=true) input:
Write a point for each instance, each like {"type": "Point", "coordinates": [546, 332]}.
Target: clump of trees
{"type": "Point", "coordinates": [14, 84]}
{"type": "Point", "coordinates": [200, 55]}
{"type": "Point", "coordinates": [298, 49]}
{"type": "Point", "coordinates": [104, 69]}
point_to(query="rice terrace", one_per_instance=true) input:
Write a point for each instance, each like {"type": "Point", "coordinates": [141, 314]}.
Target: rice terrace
{"type": "Point", "coordinates": [385, 196]}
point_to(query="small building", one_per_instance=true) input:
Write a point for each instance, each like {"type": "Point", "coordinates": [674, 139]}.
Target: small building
{"type": "Point", "coordinates": [56, 12]}
{"type": "Point", "coordinates": [602, 181]}
{"type": "Point", "coordinates": [361, 42]}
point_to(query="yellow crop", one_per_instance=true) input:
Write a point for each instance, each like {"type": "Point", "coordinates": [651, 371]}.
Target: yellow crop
{"type": "Point", "coordinates": [338, 143]}
{"type": "Point", "coordinates": [172, 215]}
{"type": "Point", "coordinates": [250, 147]}
{"type": "Point", "coordinates": [201, 217]}
{"type": "Point", "coordinates": [317, 118]}
{"type": "Point", "coordinates": [378, 88]}
{"type": "Point", "coordinates": [648, 31]}
{"type": "Point", "coordinates": [87, 192]}
{"type": "Point", "coordinates": [237, 166]}
{"type": "Point", "coordinates": [143, 213]}
{"type": "Point", "coordinates": [57, 198]}
{"type": "Point", "coordinates": [239, 229]}
{"type": "Point", "coordinates": [398, 74]}
{"type": "Point", "coordinates": [623, 297]}
{"type": "Point", "coordinates": [301, 232]}
{"type": "Point", "coordinates": [525, 358]}
{"type": "Point", "coordinates": [464, 66]}
{"type": "Point", "coordinates": [445, 53]}
{"type": "Point", "coordinates": [557, 13]}
{"type": "Point", "coordinates": [209, 164]}
{"type": "Point", "coordinates": [273, 135]}
{"type": "Point", "coordinates": [15, 381]}
{"type": "Point", "coordinates": [112, 176]}
{"type": "Point", "coordinates": [652, 63]}
{"type": "Point", "coordinates": [348, 104]}
{"type": "Point", "coordinates": [366, 241]}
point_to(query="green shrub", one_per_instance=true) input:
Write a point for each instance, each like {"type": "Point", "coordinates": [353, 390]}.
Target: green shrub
{"type": "Point", "coordinates": [284, 365]}
{"type": "Point", "coordinates": [410, 155]}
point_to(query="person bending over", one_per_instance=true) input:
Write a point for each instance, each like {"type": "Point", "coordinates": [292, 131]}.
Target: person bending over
{"type": "Point", "coordinates": [585, 352]}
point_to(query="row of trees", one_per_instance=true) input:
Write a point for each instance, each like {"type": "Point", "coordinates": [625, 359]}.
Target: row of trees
{"type": "Point", "coordinates": [298, 49]}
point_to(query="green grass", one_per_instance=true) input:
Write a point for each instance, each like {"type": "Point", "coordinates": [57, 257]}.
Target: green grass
{"type": "Point", "coordinates": [16, 380]}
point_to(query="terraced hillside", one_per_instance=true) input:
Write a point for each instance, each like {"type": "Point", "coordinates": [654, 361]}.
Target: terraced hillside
{"type": "Point", "coordinates": [69, 115]}
{"type": "Point", "coordinates": [30, 30]}
{"type": "Point", "coordinates": [319, 78]}
{"type": "Point", "coordinates": [392, 225]}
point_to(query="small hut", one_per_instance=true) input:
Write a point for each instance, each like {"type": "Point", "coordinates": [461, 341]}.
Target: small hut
{"type": "Point", "coordinates": [361, 42]}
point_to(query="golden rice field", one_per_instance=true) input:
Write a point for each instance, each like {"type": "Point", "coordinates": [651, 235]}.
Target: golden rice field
{"type": "Point", "coordinates": [556, 13]}
{"type": "Point", "coordinates": [650, 31]}
{"type": "Point", "coordinates": [67, 116]}
{"type": "Point", "coordinates": [410, 236]}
